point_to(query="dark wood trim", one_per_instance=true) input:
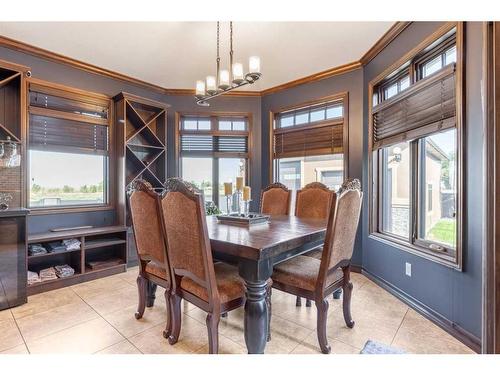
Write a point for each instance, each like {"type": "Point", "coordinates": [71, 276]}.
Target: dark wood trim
{"type": "Point", "coordinates": [491, 250]}
{"type": "Point", "coordinates": [384, 41]}
{"type": "Point", "coordinates": [373, 196]}
{"type": "Point", "coordinates": [452, 328]}
{"type": "Point", "coordinates": [341, 69]}
{"type": "Point", "coordinates": [341, 97]}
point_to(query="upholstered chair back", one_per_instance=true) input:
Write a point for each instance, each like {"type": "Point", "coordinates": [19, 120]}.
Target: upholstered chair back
{"type": "Point", "coordinates": [188, 243]}
{"type": "Point", "coordinates": [275, 200]}
{"type": "Point", "coordinates": [146, 222]}
{"type": "Point", "coordinates": [314, 201]}
{"type": "Point", "coordinates": [342, 226]}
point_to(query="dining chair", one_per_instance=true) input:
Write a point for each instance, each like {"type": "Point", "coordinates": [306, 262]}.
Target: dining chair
{"type": "Point", "coordinates": [316, 279]}
{"type": "Point", "coordinates": [275, 199]}
{"type": "Point", "coordinates": [150, 243]}
{"type": "Point", "coordinates": [214, 288]}
{"type": "Point", "coordinates": [313, 201]}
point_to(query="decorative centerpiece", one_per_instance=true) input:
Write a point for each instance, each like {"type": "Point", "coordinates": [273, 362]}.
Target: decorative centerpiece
{"type": "Point", "coordinates": [243, 193]}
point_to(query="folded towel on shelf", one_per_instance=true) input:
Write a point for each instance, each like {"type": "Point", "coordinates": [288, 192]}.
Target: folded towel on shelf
{"type": "Point", "coordinates": [56, 247]}
{"type": "Point", "coordinates": [72, 244]}
{"type": "Point", "coordinates": [36, 249]}
{"type": "Point", "coordinates": [48, 274]}
{"type": "Point", "coordinates": [33, 278]}
{"type": "Point", "coordinates": [64, 271]}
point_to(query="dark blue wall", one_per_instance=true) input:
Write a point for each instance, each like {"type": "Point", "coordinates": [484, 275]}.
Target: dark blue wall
{"type": "Point", "coordinates": [454, 295]}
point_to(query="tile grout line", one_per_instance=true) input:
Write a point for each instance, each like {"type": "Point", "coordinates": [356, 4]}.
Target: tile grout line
{"type": "Point", "coordinates": [400, 324]}
{"type": "Point", "coordinates": [20, 333]}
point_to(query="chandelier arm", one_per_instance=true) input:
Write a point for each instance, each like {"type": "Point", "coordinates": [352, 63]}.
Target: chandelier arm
{"type": "Point", "coordinates": [231, 52]}
{"type": "Point", "coordinates": [218, 57]}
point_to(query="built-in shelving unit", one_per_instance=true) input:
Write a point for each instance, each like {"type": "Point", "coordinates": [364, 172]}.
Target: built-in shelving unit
{"type": "Point", "coordinates": [12, 128]}
{"type": "Point", "coordinates": [104, 246]}
{"type": "Point", "coordinates": [141, 136]}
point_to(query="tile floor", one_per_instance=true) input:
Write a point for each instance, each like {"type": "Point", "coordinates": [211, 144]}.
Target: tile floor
{"type": "Point", "coordinates": [98, 317]}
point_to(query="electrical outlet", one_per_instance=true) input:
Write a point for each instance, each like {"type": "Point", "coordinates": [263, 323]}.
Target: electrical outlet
{"type": "Point", "coordinates": [408, 269]}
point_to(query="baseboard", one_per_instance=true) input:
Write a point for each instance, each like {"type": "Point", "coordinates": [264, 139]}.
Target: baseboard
{"type": "Point", "coordinates": [453, 329]}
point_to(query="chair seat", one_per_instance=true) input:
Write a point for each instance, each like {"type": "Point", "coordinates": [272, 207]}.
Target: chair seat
{"type": "Point", "coordinates": [301, 272]}
{"type": "Point", "coordinates": [156, 269]}
{"type": "Point", "coordinates": [229, 284]}
{"type": "Point", "coordinates": [316, 253]}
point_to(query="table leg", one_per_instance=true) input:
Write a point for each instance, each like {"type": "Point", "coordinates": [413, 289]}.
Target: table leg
{"type": "Point", "coordinates": [151, 294]}
{"type": "Point", "coordinates": [256, 319]}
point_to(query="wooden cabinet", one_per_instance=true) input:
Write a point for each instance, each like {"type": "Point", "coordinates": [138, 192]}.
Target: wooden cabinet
{"type": "Point", "coordinates": [141, 139]}
{"type": "Point", "coordinates": [12, 258]}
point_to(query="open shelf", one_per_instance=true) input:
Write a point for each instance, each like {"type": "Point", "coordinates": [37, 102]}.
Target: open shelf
{"type": "Point", "coordinates": [103, 243]}
{"type": "Point", "coordinates": [30, 257]}
{"type": "Point", "coordinates": [96, 244]}
{"type": "Point", "coordinates": [146, 112]}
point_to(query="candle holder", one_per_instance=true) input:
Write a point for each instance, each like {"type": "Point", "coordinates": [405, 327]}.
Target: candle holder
{"type": "Point", "coordinates": [247, 207]}
{"type": "Point", "coordinates": [228, 204]}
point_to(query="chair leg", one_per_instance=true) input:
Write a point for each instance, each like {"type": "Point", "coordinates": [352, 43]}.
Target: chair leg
{"type": "Point", "coordinates": [337, 294]}
{"type": "Point", "coordinates": [269, 309]}
{"type": "Point", "coordinates": [175, 309]}
{"type": "Point", "coordinates": [308, 303]}
{"type": "Point", "coordinates": [322, 310]}
{"type": "Point", "coordinates": [142, 285]}
{"type": "Point", "coordinates": [298, 302]}
{"type": "Point", "coordinates": [346, 305]}
{"type": "Point", "coordinates": [168, 328]}
{"type": "Point", "coordinates": [213, 332]}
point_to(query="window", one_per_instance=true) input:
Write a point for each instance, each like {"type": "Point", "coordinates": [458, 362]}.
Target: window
{"type": "Point", "coordinates": [438, 222]}
{"type": "Point", "coordinates": [395, 187]}
{"type": "Point", "coordinates": [68, 149]}
{"type": "Point", "coordinates": [213, 153]}
{"type": "Point", "coordinates": [308, 144]}
{"type": "Point", "coordinates": [416, 155]}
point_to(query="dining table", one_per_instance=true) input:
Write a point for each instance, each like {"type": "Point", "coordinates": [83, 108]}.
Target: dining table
{"type": "Point", "coordinates": [255, 249]}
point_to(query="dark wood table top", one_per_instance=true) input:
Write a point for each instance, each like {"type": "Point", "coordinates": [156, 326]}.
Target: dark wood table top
{"type": "Point", "coordinates": [261, 241]}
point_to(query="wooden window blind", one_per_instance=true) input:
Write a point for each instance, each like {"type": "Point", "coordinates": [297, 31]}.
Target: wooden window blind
{"type": "Point", "coordinates": [67, 120]}
{"type": "Point", "coordinates": [197, 141]}
{"type": "Point", "coordinates": [309, 141]}
{"type": "Point", "coordinates": [208, 144]}
{"type": "Point", "coordinates": [55, 134]}
{"type": "Point", "coordinates": [426, 107]}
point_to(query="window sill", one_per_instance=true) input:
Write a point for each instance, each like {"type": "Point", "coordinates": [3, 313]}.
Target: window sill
{"type": "Point", "coordinates": [63, 210]}
{"type": "Point", "coordinates": [416, 250]}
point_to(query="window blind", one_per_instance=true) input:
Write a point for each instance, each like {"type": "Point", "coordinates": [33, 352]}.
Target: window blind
{"type": "Point", "coordinates": [425, 108]}
{"type": "Point", "coordinates": [209, 144]}
{"type": "Point", "coordinates": [72, 136]}
{"type": "Point", "coordinates": [322, 140]}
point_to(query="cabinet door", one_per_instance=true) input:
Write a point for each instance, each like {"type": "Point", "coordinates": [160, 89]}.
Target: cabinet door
{"type": "Point", "coordinates": [12, 262]}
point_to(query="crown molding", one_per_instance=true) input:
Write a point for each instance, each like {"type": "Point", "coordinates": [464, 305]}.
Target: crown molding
{"type": "Point", "coordinates": [314, 77]}
{"type": "Point", "coordinates": [384, 41]}
{"type": "Point", "coordinates": [388, 37]}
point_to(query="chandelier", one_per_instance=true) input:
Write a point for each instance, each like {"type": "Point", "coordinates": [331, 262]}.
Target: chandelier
{"type": "Point", "coordinates": [227, 80]}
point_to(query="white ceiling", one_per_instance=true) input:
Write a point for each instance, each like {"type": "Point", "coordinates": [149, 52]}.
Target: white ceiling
{"type": "Point", "coordinates": [176, 54]}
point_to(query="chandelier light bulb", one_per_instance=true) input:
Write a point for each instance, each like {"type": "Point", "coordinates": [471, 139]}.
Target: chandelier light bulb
{"type": "Point", "coordinates": [237, 73]}
{"type": "Point", "coordinates": [224, 79]}
{"type": "Point", "coordinates": [200, 88]}
{"type": "Point", "coordinates": [254, 64]}
{"type": "Point", "coordinates": [211, 84]}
